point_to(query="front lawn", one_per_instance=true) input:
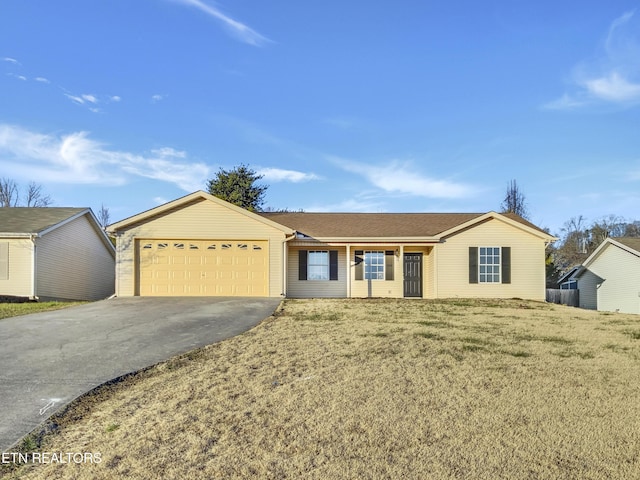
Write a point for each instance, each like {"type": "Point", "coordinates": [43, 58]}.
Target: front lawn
{"type": "Point", "coordinates": [342, 389]}
{"type": "Point", "coordinates": [15, 309]}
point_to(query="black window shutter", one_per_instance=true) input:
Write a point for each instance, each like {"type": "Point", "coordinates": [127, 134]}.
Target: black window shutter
{"type": "Point", "coordinates": [473, 264]}
{"type": "Point", "coordinates": [302, 265]}
{"type": "Point", "coordinates": [333, 265]}
{"type": "Point", "coordinates": [359, 259]}
{"type": "Point", "coordinates": [506, 264]}
{"type": "Point", "coordinates": [388, 264]}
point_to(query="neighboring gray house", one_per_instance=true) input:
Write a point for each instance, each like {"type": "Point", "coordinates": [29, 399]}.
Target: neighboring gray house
{"type": "Point", "coordinates": [54, 253]}
{"type": "Point", "coordinates": [609, 280]}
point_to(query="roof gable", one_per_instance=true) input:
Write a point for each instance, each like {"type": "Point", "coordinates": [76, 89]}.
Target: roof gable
{"type": "Point", "coordinates": [185, 201]}
{"type": "Point", "coordinates": [628, 244]}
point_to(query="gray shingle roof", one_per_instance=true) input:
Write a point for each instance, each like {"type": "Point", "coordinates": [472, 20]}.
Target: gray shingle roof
{"type": "Point", "coordinates": [33, 219]}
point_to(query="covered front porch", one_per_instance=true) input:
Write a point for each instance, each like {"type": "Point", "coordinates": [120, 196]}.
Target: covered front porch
{"type": "Point", "coordinates": [360, 270]}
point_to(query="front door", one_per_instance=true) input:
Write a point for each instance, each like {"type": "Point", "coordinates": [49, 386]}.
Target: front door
{"type": "Point", "coordinates": [413, 274]}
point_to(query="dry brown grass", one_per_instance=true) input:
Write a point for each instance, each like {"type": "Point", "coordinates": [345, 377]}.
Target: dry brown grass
{"type": "Point", "coordinates": [377, 389]}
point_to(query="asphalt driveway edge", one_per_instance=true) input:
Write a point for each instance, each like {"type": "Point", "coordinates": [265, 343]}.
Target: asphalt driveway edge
{"type": "Point", "coordinates": [36, 437]}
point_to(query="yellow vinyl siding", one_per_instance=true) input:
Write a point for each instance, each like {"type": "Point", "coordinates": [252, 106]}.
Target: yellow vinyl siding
{"type": "Point", "coordinates": [316, 288]}
{"type": "Point", "coordinates": [378, 288]}
{"type": "Point", "coordinates": [200, 220]}
{"type": "Point", "coordinates": [619, 280]}
{"type": "Point", "coordinates": [73, 263]}
{"type": "Point", "coordinates": [20, 268]}
{"type": "Point", "coordinates": [527, 263]}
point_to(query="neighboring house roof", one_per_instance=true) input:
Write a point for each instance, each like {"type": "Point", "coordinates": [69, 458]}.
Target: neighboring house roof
{"type": "Point", "coordinates": [387, 225]}
{"type": "Point", "coordinates": [632, 242]}
{"type": "Point", "coordinates": [33, 220]}
{"type": "Point", "coordinates": [628, 244]}
{"type": "Point", "coordinates": [28, 221]}
{"type": "Point", "coordinates": [569, 274]}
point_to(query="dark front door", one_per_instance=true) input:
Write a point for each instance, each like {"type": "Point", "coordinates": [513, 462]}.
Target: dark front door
{"type": "Point", "coordinates": [413, 274]}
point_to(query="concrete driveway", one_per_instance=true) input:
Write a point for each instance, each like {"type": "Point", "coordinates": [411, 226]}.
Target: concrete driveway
{"type": "Point", "coordinates": [48, 359]}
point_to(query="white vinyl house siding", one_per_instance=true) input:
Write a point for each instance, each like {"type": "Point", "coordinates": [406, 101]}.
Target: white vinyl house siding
{"type": "Point", "coordinates": [73, 263]}
{"type": "Point", "coordinates": [19, 281]}
{"type": "Point", "coordinates": [620, 288]}
{"type": "Point", "coordinates": [200, 220]}
{"type": "Point", "coordinates": [588, 290]}
{"type": "Point", "coordinates": [527, 263]}
{"type": "Point", "coordinates": [316, 288]}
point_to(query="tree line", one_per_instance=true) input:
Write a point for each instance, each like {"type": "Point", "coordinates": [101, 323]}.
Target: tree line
{"type": "Point", "coordinates": [578, 238]}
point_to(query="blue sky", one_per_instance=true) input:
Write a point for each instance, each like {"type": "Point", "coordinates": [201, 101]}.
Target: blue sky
{"type": "Point", "coordinates": [343, 106]}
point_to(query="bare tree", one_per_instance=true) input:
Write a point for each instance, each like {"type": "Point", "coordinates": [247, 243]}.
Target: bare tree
{"type": "Point", "coordinates": [35, 197]}
{"type": "Point", "coordinates": [103, 216]}
{"type": "Point", "coordinates": [514, 201]}
{"type": "Point", "coordinates": [609, 226]}
{"type": "Point", "coordinates": [9, 194]}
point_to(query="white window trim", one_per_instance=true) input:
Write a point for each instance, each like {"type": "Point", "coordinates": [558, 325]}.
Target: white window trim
{"type": "Point", "coordinates": [499, 265]}
{"type": "Point", "coordinates": [383, 271]}
{"type": "Point", "coordinates": [327, 265]}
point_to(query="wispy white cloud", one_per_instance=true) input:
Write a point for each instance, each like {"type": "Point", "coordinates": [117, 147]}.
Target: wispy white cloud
{"type": "Point", "coordinates": [566, 102]}
{"type": "Point", "coordinates": [76, 158]}
{"type": "Point", "coordinates": [282, 175]}
{"type": "Point", "coordinates": [157, 98]}
{"type": "Point", "coordinates": [10, 60]}
{"type": "Point", "coordinates": [613, 87]}
{"type": "Point", "coordinates": [239, 30]}
{"type": "Point", "coordinates": [91, 101]}
{"type": "Point", "coordinates": [613, 75]}
{"type": "Point", "coordinates": [403, 178]}
{"type": "Point", "coordinates": [42, 80]}
{"type": "Point", "coordinates": [167, 152]}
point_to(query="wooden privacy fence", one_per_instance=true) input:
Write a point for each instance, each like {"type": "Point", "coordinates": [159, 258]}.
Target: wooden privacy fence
{"type": "Point", "coordinates": [564, 297]}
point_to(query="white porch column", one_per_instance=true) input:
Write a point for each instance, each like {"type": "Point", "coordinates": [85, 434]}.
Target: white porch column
{"type": "Point", "coordinates": [348, 271]}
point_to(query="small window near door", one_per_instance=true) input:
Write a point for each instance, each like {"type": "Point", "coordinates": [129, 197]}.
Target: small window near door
{"type": "Point", "coordinates": [374, 265]}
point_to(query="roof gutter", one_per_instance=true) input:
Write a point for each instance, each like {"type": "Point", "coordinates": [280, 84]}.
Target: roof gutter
{"type": "Point", "coordinates": [17, 235]}
{"type": "Point", "coordinates": [375, 240]}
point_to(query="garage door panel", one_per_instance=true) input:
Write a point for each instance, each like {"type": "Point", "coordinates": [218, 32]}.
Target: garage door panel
{"type": "Point", "coordinates": [203, 267]}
